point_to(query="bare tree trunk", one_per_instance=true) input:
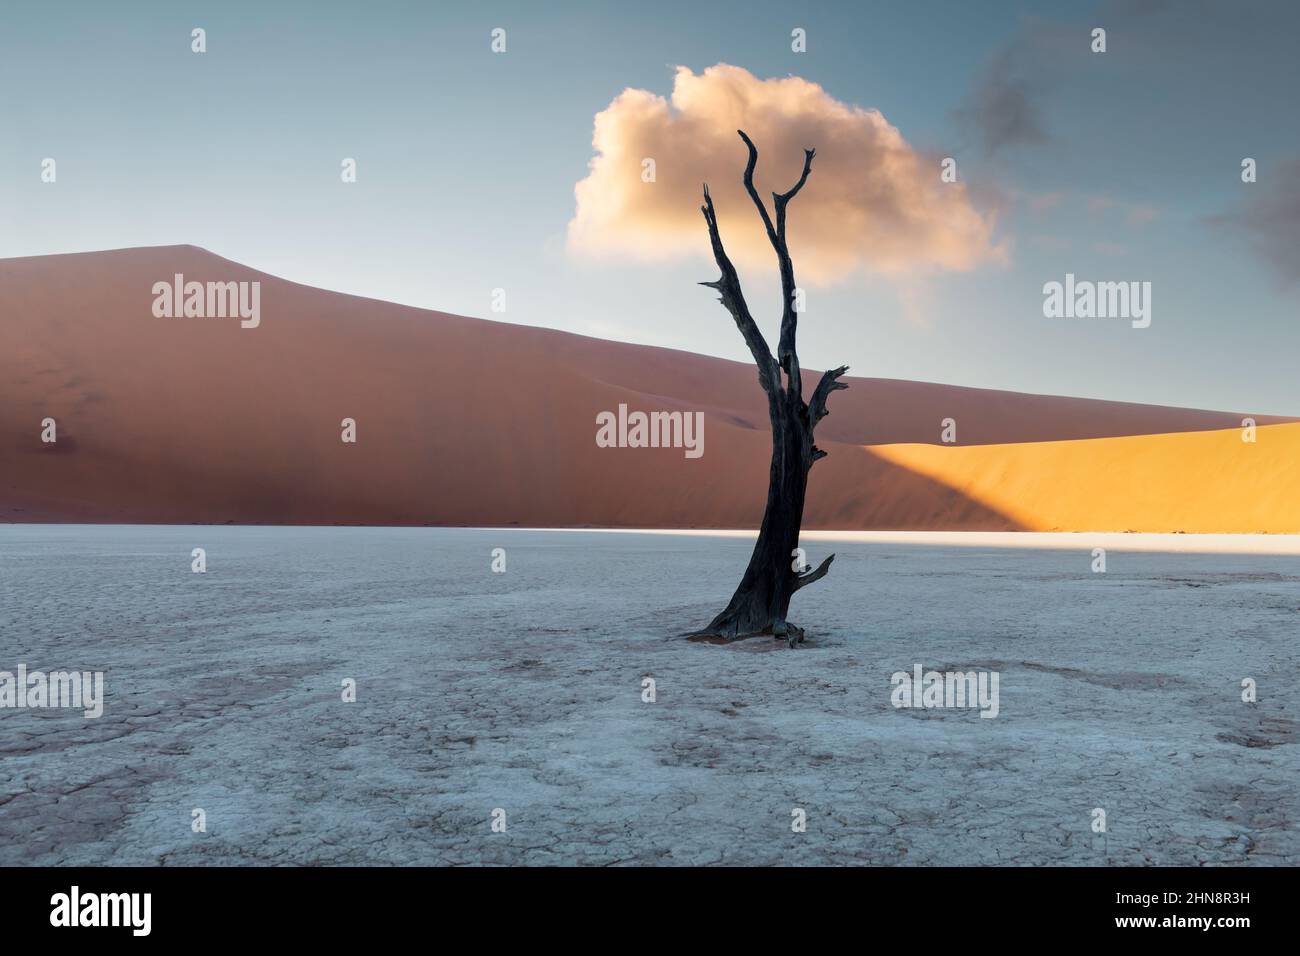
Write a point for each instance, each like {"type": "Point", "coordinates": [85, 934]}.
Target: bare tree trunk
{"type": "Point", "coordinates": [762, 600]}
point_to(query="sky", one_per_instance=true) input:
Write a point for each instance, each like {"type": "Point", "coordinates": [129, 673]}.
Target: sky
{"type": "Point", "coordinates": [1117, 166]}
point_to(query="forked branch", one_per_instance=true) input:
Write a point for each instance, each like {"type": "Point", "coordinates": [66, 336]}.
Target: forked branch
{"type": "Point", "coordinates": [829, 383]}
{"type": "Point", "coordinates": [786, 352]}
{"type": "Point", "coordinates": [781, 200]}
{"type": "Point", "coordinates": [803, 580]}
{"type": "Point", "coordinates": [733, 299]}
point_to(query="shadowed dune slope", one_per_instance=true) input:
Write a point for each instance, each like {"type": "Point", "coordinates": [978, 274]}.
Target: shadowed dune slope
{"type": "Point", "coordinates": [459, 420]}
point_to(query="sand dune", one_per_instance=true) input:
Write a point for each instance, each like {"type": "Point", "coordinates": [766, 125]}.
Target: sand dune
{"type": "Point", "coordinates": [1198, 482]}
{"type": "Point", "coordinates": [464, 421]}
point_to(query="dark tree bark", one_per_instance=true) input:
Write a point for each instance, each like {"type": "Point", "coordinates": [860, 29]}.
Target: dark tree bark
{"type": "Point", "coordinates": [762, 599]}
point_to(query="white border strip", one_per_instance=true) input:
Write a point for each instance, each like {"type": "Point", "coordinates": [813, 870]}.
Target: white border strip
{"type": "Point", "coordinates": [1283, 544]}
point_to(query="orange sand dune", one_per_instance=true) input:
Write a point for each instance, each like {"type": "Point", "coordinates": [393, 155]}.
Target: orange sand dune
{"type": "Point", "coordinates": [460, 421]}
{"type": "Point", "coordinates": [1198, 482]}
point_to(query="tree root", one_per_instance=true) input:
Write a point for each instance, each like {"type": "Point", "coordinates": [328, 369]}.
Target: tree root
{"type": "Point", "coordinates": [780, 630]}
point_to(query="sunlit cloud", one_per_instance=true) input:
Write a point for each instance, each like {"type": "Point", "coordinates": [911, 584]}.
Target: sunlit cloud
{"type": "Point", "coordinates": [874, 203]}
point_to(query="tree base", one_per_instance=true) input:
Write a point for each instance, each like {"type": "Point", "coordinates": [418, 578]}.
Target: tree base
{"type": "Point", "coordinates": [782, 631]}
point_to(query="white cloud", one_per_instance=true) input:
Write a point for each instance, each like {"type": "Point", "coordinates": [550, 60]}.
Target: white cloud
{"type": "Point", "coordinates": [872, 204]}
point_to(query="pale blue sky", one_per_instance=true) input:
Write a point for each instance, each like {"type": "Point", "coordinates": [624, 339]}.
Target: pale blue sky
{"type": "Point", "coordinates": [467, 163]}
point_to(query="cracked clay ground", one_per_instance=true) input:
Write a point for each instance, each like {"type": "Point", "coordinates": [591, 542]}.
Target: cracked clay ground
{"type": "Point", "coordinates": [523, 691]}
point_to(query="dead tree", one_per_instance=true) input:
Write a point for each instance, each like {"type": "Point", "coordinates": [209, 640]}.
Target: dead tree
{"type": "Point", "coordinates": [762, 599]}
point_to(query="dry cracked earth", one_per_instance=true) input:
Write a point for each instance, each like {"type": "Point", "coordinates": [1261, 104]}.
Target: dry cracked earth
{"type": "Point", "coordinates": [523, 691]}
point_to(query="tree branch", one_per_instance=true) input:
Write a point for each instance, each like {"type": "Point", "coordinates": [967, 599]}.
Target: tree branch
{"type": "Point", "coordinates": [782, 200]}
{"type": "Point", "coordinates": [786, 352]}
{"type": "Point", "coordinates": [829, 383]}
{"type": "Point", "coordinates": [803, 580]}
{"type": "Point", "coordinates": [733, 298]}
{"type": "Point", "coordinates": [753, 193]}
